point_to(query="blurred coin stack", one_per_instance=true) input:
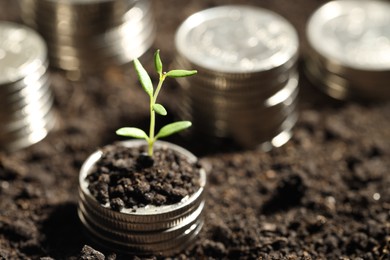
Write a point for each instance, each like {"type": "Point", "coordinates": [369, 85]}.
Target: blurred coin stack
{"type": "Point", "coordinates": [162, 230]}
{"type": "Point", "coordinates": [25, 95]}
{"type": "Point", "coordinates": [349, 55]}
{"type": "Point", "coordinates": [89, 36]}
{"type": "Point", "coordinates": [247, 84]}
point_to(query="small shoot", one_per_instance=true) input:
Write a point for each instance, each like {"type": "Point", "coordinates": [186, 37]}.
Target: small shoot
{"type": "Point", "coordinates": [155, 107]}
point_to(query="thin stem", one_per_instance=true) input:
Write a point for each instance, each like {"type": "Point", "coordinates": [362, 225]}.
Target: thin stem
{"type": "Point", "coordinates": [160, 83]}
{"type": "Point", "coordinates": [153, 100]}
{"type": "Point", "coordinates": [151, 129]}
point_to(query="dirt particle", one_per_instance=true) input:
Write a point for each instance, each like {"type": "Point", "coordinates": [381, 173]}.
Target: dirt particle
{"type": "Point", "coordinates": [88, 253]}
{"type": "Point", "coordinates": [117, 204]}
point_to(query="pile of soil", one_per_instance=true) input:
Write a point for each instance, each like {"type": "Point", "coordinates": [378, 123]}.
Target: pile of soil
{"type": "Point", "coordinates": [127, 177]}
{"type": "Point", "coordinates": [323, 195]}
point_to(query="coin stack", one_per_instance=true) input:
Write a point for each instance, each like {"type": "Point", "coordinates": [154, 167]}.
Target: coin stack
{"type": "Point", "coordinates": [349, 55]}
{"type": "Point", "coordinates": [25, 96]}
{"type": "Point", "coordinates": [162, 230]}
{"type": "Point", "coordinates": [247, 83]}
{"type": "Point", "coordinates": [89, 36]}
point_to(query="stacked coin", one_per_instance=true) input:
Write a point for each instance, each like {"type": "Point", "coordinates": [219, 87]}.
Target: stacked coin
{"type": "Point", "coordinates": [25, 95]}
{"type": "Point", "coordinates": [88, 36]}
{"type": "Point", "coordinates": [350, 49]}
{"type": "Point", "coordinates": [152, 229]}
{"type": "Point", "coordinates": [247, 84]}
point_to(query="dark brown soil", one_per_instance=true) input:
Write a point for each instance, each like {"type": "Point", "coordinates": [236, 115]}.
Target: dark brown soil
{"type": "Point", "coordinates": [129, 178]}
{"type": "Point", "coordinates": [323, 195]}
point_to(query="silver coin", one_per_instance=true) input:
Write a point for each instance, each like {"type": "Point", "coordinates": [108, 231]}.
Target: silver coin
{"type": "Point", "coordinates": [243, 92]}
{"type": "Point", "coordinates": [84, 9]}
{"type": "Point", "coordinates": [86, 50]}
{"type": "Point", "coordinates": [28, 133]}
{"type": "Point", "coordinates": [166, 248]}
{"type": "Point", "coordinates": [265, 141]}
{"type": "Point", "coordinates": [89, 36]}
{"type": "Point", "coordinates": [280, 104]}
{"type": "Point", "coordinates": [129, 34]}
{"type": "Point", "coordinates": [152, 236]}
{"type": "Point", "coordinates": [247, 84]}
{"type": "Point", "coordinates": [126, 55]}
{"type": "Point", "coordinates": [354, 33]}
{"type": "Point", "coordinates": [182, 62]}
{"type": "Point", "coordinates": [259, 123]}
{"type": "Point", "coordinates": [29, 138]}
{"type": "Point", "coordinates": [18, 109]}
{"type": "Point", "coordinates": [29, 115]}
{"type": "Point", "coordinates": [369, 80]}
{"type": "Point", "coordinates": [68, 24]}
{"type": "Point", "coordinates": [237, 39]}
{"type": "Point", "coordinates": [95, 33]}
{"type": "Point", "coordinates": [99, 216]}
{"type": "Point", "coordinates": [373, 86]}
{"type": "Point", "coordinates": [10, 108]}
{"type": "Point", "coordinates": [230, 116]}
{"type": "Point", "coordinates": [142, 215]}
{"type": "Point", "coordinates": [9, 89]}
{"type": "Point", "coordinates": [169, 228]}
{"type": "Point", "coordinates": [119, 54]}
{"type": "Point", "coordinates": [22, 52]}
{"type": "Point", "coordinates": [129, 29]}
{"type": "Point", "coordinates": [137, 223]}
{"type": "Point", "coordinates": [25, 95]}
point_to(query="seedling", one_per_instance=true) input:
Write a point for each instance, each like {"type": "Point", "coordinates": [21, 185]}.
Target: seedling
{"type": "Point", "coordinates": [155, 107]}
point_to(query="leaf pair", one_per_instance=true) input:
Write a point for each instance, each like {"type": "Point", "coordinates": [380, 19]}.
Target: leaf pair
{"type": "Point", "coordinates": [164, 131]}
{"type": "Point", "coordinates": [173, 73]}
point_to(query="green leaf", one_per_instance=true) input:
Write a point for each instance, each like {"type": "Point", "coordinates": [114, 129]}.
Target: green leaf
{"type": "Point", "coordinates": [160, 109]}
{"type": "Point", "coordinates": [173, 128]}
{"type": "Point", "coordinates": [157, 62]}
{"type": "Point", "coordinates": [144, 78]}
{"type": "Point", "coordinates": [132, 132]}
{"type": "Point", "coordinates": [180, 73]}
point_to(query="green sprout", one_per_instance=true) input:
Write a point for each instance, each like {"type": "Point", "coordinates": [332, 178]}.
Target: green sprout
{"type": "Point", "coordinates": [147, 85]}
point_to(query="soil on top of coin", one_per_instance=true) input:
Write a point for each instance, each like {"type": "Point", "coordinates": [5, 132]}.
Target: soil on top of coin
{"type": "Point", "coordinates": [127, 177]}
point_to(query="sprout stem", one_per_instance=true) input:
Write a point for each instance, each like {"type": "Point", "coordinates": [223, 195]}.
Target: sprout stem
{"type": "Point", "coordinates": [153, 100]}
{"type": "Point", "coordinates": [160, 83]}
{"type": "Point", "coordinates": [151, 129]}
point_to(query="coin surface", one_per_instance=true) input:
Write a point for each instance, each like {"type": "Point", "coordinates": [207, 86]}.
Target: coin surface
{"type": "Point", "coordinates": [354, 33]}
{"type": "Point", "coordinates": [237, 39]}
{"type": "Point", "coordinates": [22, 52]}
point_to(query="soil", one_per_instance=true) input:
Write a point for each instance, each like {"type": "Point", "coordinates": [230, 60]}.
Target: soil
{"type": "Point", "coordinates": [129, 178]}
{"type": "Point", "coordinates": [323, 195]}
